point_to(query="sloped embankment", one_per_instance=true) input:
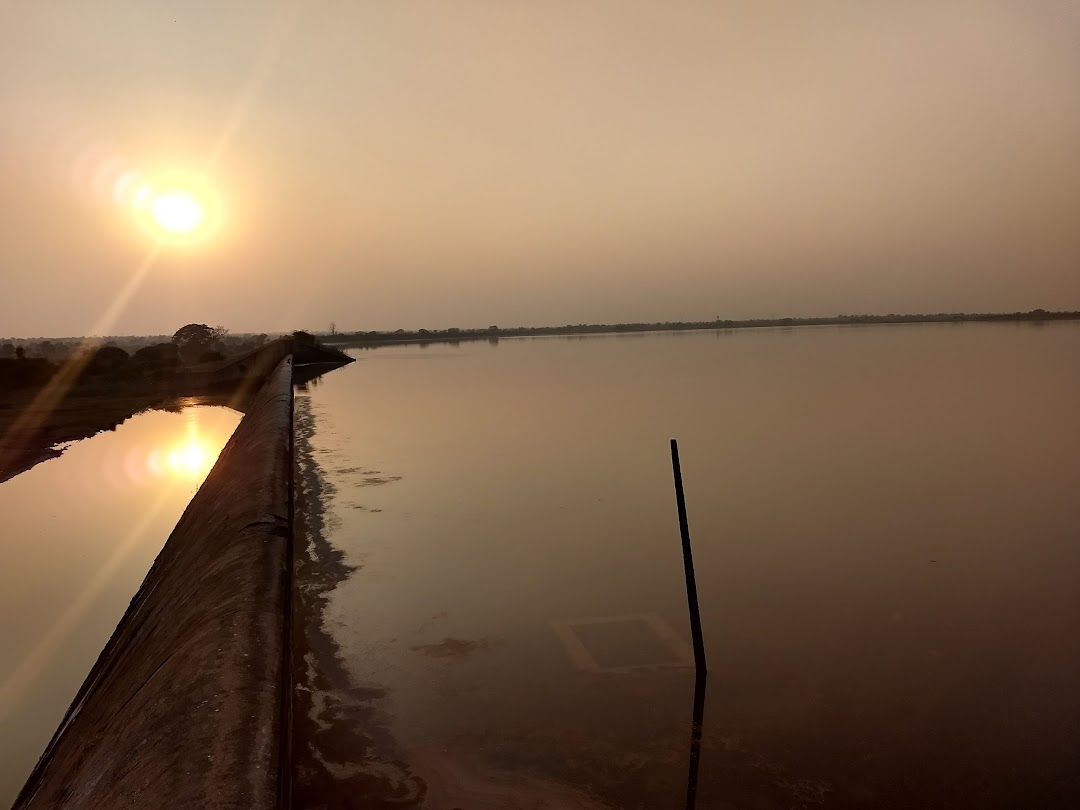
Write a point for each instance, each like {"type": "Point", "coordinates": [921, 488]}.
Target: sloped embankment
{"type": "Point", "coordinates": [185, 706]}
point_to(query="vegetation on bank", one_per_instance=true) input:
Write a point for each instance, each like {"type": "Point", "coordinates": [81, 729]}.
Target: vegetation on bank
{"type": "Point", "coordinates": [494, 332]}
{"type": "Point", "coordinates": [191, 344]}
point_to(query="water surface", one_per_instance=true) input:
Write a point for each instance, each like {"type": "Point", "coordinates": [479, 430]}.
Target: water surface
{"type": "Point", "coordinates": [886, 529]}
{"type": "Point", "coordinates": [80, 532]}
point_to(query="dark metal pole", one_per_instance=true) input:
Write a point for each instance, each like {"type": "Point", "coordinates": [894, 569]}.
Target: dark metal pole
{"type": "Point", "coordinates": [695, 739]}
{"type": "Point", "coordinates": [688, 565]}
{"type": "Point", "coordinates": [695, 631]}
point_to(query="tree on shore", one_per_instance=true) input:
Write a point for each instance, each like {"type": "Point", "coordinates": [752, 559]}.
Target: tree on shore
{"type": "Point", "coordinates": [158, 356]}
{"type": "Point", "coordinates": [106, 359]}
{"type": "Point", "coordinates": [196, 339]}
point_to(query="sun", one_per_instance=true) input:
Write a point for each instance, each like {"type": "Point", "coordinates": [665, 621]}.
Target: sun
{"type": "Point", "coordinates": [175, 210]}
{"type": "Point", "coordinates": [178, 212]}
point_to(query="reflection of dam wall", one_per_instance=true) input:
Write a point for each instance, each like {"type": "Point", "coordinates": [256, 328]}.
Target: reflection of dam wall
{"type": "Point", "coordinates": [252, 366]}
{"type": "Point", "coordinates": [185, 705]}
{"type": "Point", "coordinates": [257, 364]}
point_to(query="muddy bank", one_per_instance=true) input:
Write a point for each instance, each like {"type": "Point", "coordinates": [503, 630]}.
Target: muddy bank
{"type": "Point", "coordinates": [185, 706]}
{"type": "Point", "coordinates": [344, 752]}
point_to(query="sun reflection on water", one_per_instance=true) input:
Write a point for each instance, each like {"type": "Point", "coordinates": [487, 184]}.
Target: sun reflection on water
{"type": "Point", "coordinates": [187, 457]}
{"type": "Point", "coordinates": [191, 460]}
{"type": "Point", "coordinates": [193, 457]}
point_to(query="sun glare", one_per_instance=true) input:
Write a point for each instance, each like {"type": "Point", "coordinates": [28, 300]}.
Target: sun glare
{"type": "Point", "coordinates": [178, 212]}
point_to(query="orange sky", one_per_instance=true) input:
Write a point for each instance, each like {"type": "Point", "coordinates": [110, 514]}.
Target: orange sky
{"type": "Point", "coordinates": [434, 164]}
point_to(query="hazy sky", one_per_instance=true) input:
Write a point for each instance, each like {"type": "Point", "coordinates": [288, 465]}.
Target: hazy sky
{"type": "Point", "coordinates": [434, 164]}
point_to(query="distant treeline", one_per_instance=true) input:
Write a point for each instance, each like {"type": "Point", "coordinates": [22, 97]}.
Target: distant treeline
{"type": "Point", "coordinates": [495, 332]}
{"type": "Point", "coordinates": [118, 361]}
{"type": "Point", "coordinates": [60, 349]}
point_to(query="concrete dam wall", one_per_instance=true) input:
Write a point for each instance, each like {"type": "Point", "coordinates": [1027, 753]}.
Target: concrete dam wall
{"type": "Point", "coordinates": [186, 705]}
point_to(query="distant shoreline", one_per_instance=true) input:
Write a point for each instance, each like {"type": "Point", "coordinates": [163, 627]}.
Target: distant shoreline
{"type": "Point", "coordinates": [400, 336]}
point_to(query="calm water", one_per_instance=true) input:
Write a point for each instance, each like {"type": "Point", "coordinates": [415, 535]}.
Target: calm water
{"type": "Point", "coordinates": [887, 534]}
{"type": "Point", "coordinates": [80, 532]}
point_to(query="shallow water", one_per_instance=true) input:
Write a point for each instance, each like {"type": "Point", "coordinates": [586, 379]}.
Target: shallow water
{"type": "Point", "coordinates": [886, 532]}
{"type": "Point", "coordinates": [80, 532]}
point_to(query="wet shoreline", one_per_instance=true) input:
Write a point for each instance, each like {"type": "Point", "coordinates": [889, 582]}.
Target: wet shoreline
{"type": "Point", "coordinates": [342, 753]}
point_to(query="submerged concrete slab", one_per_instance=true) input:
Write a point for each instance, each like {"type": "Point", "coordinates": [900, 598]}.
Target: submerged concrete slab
{"type": "Point", "coordinates": [623, 644]}
{"type": "Point", "coordinates": [185, 706]}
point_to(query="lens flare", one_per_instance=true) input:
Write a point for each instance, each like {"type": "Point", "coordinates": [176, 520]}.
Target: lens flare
{"type": "Point", "coordinates": [126, 188]}
{"type": "Point", "coordinates": [142, 196]}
